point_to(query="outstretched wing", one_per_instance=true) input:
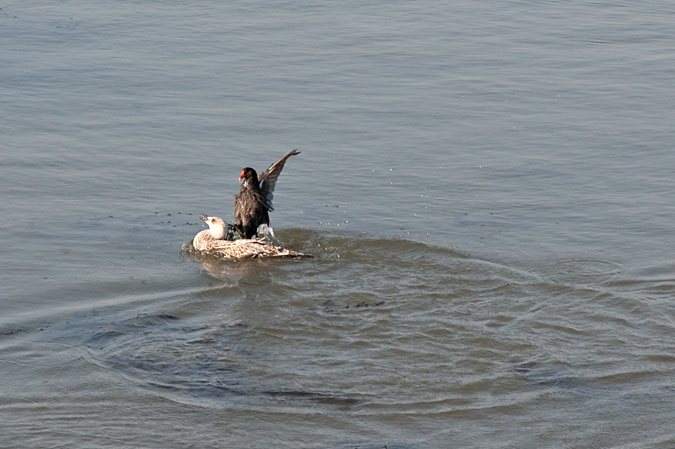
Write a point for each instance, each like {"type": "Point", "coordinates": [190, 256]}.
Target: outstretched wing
{"type": "Point", "coordinates": [268, 178]}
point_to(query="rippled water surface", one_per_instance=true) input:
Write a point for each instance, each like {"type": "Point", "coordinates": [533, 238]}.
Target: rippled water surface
{"type": "Point", "coordinates": [486, 191]}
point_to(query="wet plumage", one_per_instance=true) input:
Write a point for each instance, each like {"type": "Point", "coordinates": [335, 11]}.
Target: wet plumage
{"type": "Point", "coordinates": [254, 201]}
{"type": "Point", "coordinates": [212, 241]}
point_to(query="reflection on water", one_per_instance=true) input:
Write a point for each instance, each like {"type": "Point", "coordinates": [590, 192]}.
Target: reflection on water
{"type": "Point", "coordinates": [231, 271]}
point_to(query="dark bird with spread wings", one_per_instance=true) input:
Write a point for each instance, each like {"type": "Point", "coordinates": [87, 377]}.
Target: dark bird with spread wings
{"type": "Point", "coordinates": [254, 201]}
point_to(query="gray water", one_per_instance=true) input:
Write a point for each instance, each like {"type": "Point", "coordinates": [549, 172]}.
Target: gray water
{"type": "Point", "coordinates": [486, 188]}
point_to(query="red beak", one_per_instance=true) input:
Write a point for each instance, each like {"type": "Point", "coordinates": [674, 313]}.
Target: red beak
{"type": "Point", "coordinates": [243, 174]}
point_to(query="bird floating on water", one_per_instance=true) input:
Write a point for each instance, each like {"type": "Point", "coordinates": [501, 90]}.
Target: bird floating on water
{"type": "Point", "coordinates": [254, 201]}
{"type": "Point", "coordinates": [212, 241]}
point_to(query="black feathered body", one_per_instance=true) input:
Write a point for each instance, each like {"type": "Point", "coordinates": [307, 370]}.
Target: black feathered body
{"type": "Point", "coordinates": [254, 201]}
{"type": "Point", "coordinates": [249, 209]}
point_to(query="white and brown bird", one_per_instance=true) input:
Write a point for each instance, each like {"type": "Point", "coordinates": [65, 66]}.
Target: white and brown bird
{"type": "Point", "coordinates": [254, 201]}
{"type": "Point", "coordinates": [213, 241]}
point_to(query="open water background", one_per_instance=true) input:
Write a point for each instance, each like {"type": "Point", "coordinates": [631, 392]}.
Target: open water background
{"type": "Point", "coordinates": [487, 188]}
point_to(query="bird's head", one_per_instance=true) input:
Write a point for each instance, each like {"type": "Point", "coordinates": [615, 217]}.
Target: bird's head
{"type": "Point", "coordinates": [248, 174]}
{"type": "Point", "coordinates": [217, 225]}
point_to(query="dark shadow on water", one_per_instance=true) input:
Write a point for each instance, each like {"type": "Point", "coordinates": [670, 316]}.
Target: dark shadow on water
{"type": "Point", "coordinates": [200, 365]}
{"type": "Point", "coordinates": [320, 398]}
{"type": "Point", "coordinates": [547, 376]}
